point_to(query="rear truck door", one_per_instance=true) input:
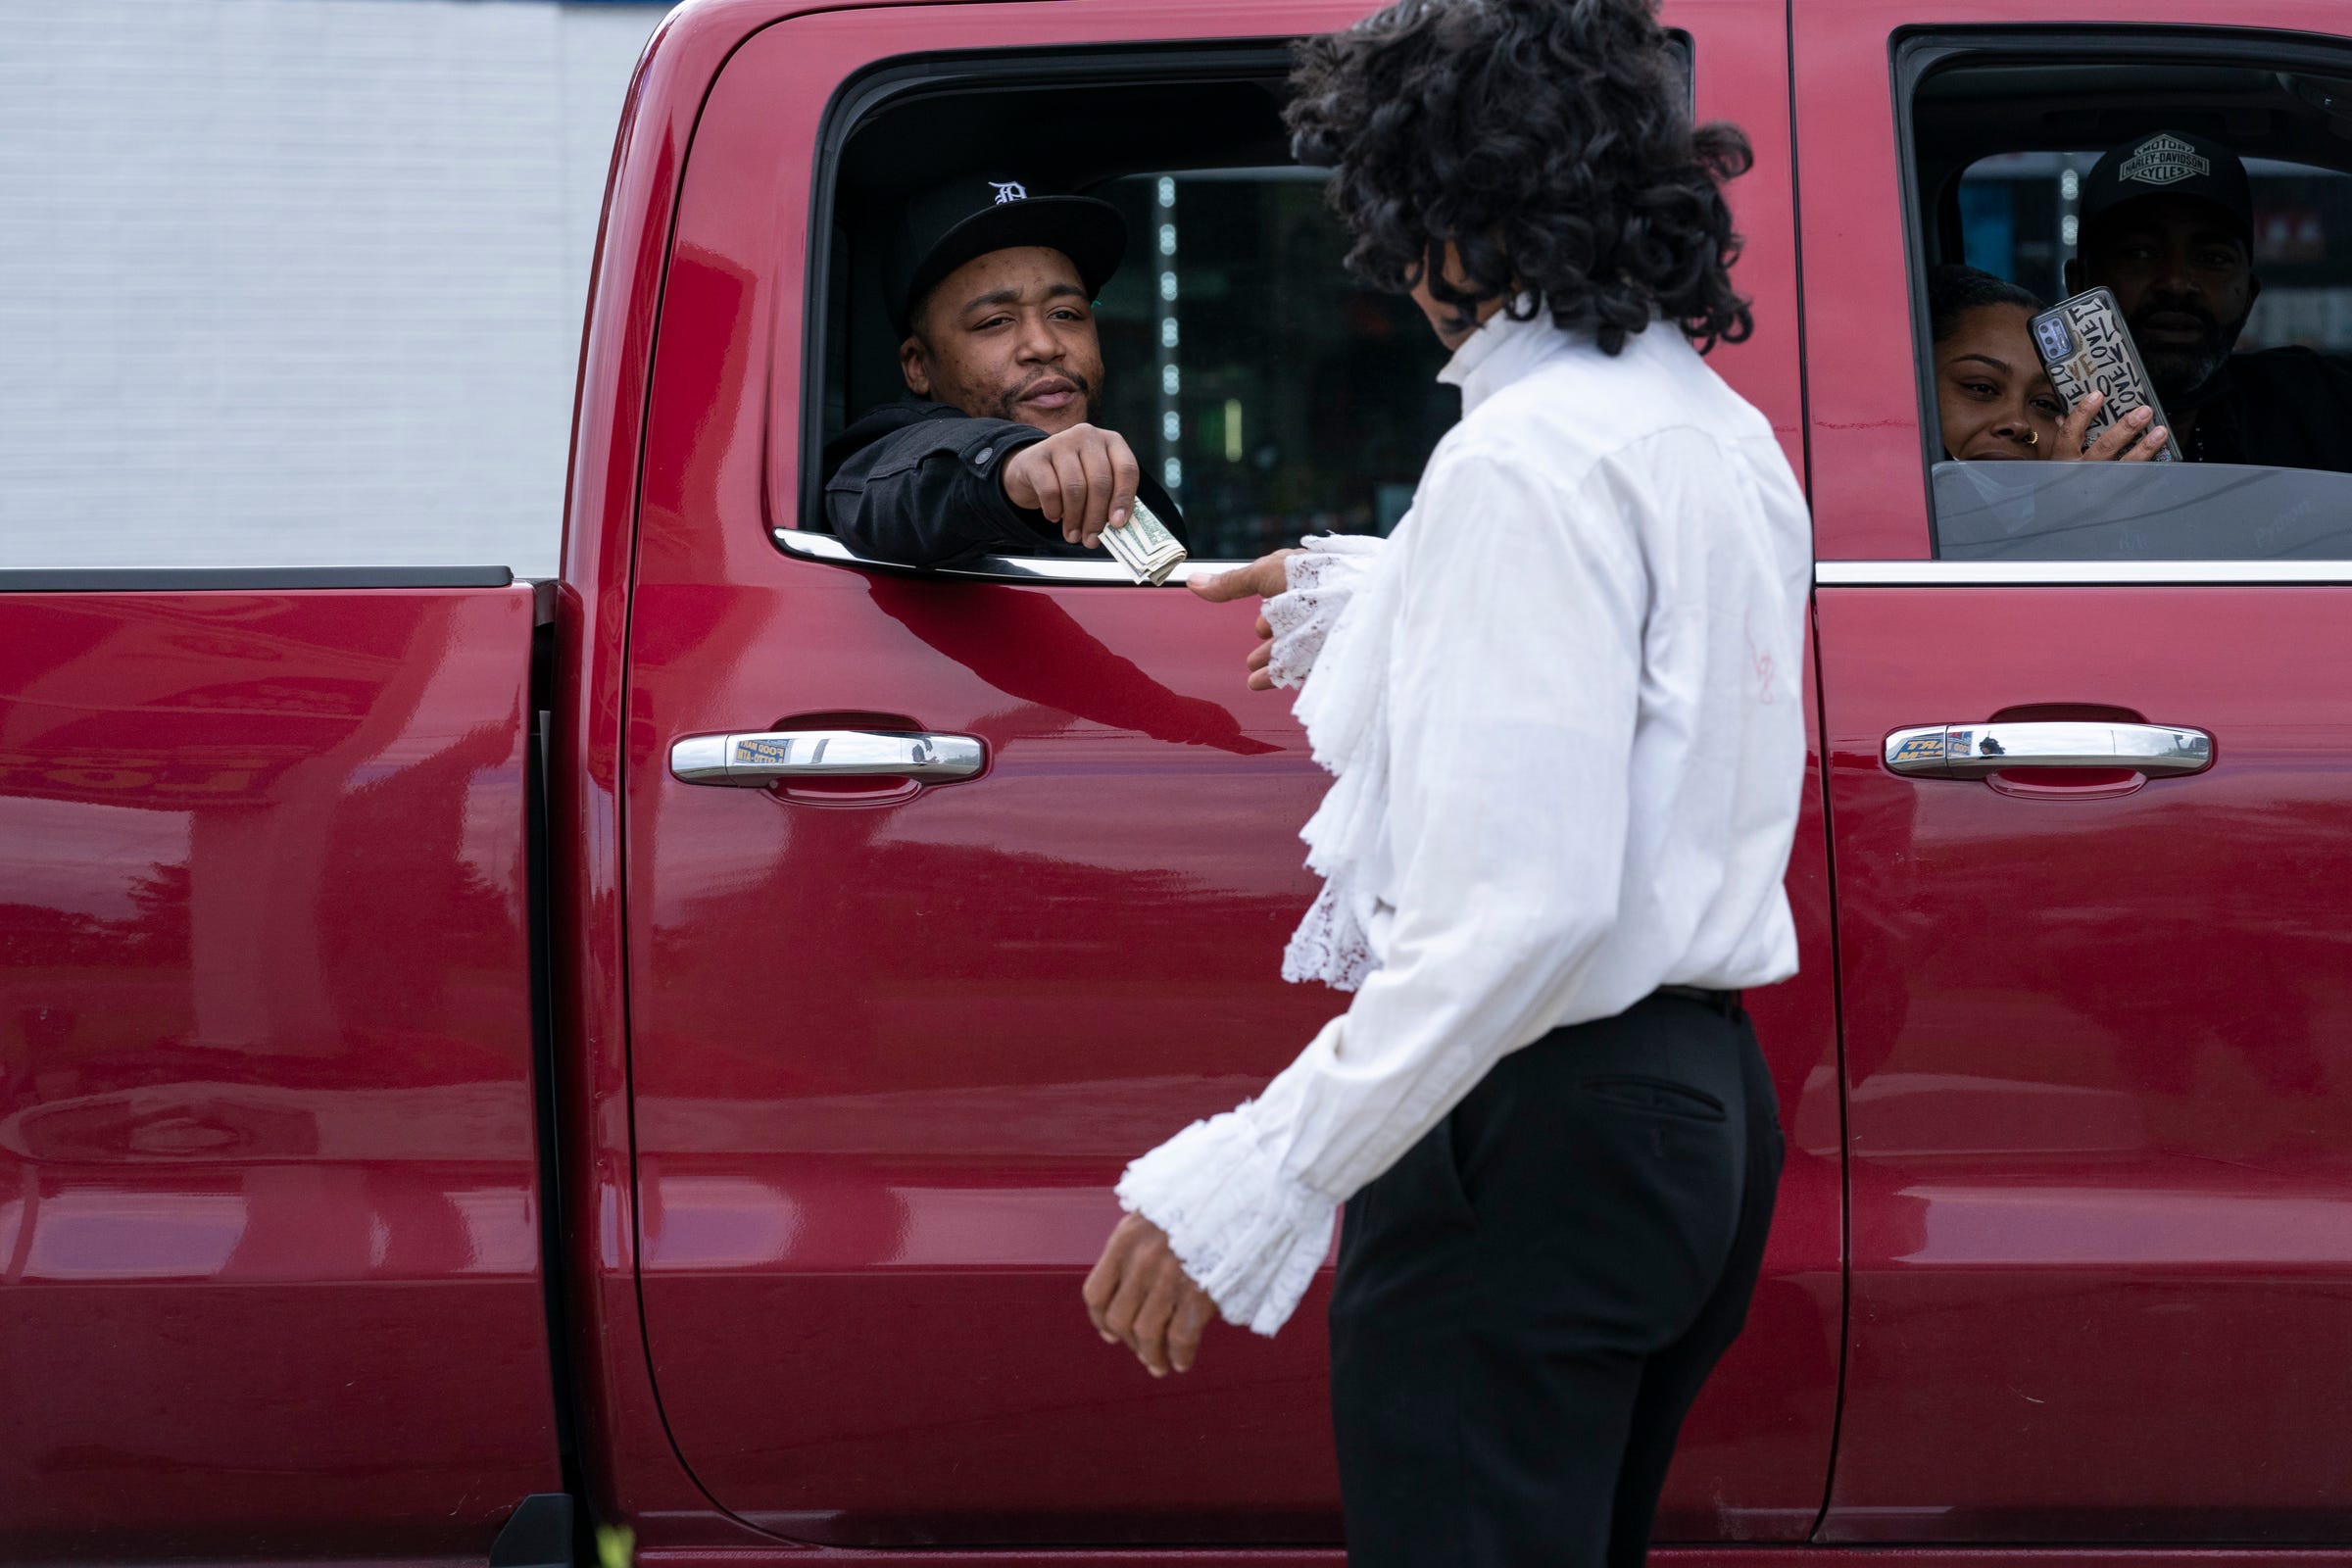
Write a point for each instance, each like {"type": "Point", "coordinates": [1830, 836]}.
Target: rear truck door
{"type": "Point", "coordinates": [2096, 1016]}
{"type": "Point", "coordinates": [893, 1038]}
{"type": "Point", "coordinates": [270, 1222]}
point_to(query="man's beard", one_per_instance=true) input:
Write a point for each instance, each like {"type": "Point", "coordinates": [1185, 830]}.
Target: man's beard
{"type": "Point", "coordinates": [1008, 401]}
{"type": "Point", "coordinates": [2178, 371]}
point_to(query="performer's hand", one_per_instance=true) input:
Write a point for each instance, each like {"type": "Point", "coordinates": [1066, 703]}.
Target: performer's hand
{"type": "Point", "coordinates": [1082, 479]}
{"type": "Point", "coordinates": [1265, 577]}
{"type": "Point", "coordinates": [1139, 1296]}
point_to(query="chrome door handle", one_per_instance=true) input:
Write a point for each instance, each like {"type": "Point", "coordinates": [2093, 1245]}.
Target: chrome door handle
{"type": "Point", "coordinates": [779, 757]}
{"type": "Point", "coordinates": [1973, 750]}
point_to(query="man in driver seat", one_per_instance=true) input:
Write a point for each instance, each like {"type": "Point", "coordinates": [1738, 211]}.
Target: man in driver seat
{"type": "Point", "coordinates": [992, 290]}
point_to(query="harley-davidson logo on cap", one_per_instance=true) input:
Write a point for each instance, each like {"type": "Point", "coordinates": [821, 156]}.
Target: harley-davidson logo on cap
{"type": "Point", "coordinates": [2163, 161]}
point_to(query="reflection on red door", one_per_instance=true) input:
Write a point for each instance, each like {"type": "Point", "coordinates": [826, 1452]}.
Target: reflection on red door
{"type": "Point", "coordinates": [2096, 1076]}
{"type": "Point", "coordinates": [269, 1234]}
{"type": "Point", "coordinates": [888, 1059]}
{"type": "Point", "coordinates": [2103, 1243]}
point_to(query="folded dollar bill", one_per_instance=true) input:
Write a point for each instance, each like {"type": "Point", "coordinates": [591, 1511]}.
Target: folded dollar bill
{"type": "Point", "coordinates": [1145, 547]}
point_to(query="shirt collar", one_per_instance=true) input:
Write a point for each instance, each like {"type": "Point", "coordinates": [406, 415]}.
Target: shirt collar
{"type": "Point", "coordinates": [1502, 350]}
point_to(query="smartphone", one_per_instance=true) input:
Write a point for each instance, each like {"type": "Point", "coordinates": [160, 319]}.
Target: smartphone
{"type": "Point", "coordinates": [2086, 347]}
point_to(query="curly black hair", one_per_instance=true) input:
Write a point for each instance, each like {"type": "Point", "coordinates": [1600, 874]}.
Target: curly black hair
{"type": "Point", "coordinates": [1547, 142]}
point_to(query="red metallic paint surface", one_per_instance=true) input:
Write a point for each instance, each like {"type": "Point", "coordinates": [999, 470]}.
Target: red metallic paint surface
{"type": "Point", "coordinates": [1868, 483]}
{"type": "Point", "coordinates": [2103, 1243]}
{"type": "Point", "coordinates": [268, 1209]}
{"type": "Point", "coordinates": [631, 1470]}
{"type": "Point", "coordinates": [2102, 1260]}
{"type": "Point", "coordinates": [888, 1058]}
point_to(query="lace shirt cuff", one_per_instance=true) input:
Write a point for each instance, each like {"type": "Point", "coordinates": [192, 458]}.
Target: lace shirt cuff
{"type": "Point", "coordinates": [1323, 577]}
{"type": "Point", "coordinates": [1245, 1233]}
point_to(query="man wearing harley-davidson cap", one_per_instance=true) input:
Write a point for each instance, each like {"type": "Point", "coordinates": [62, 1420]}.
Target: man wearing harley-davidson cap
{"type": "Point", "coordinates": [991, 289]}
{"type": "Point", "coordinates": [2168, 225]}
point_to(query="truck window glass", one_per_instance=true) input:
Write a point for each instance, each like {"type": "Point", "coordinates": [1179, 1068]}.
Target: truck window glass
{"type": "Point", "coordinates": [1266, 389]}
{"type": "Point", "coordinates": [2003, 146]}
{"type": "Point", "coordinates": [1279, 396]}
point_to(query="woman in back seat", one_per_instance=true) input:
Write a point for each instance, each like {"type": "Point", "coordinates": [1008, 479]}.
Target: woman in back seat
{"type": "Point", "coordinates": [1992, 398]}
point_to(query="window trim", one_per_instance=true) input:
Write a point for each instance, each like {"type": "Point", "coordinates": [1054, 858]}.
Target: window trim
{"type": "Point", "coordinates": [2075, 573]}
{"type": "Point", "coordinates": [810, 545]}
{"type": "Point", "coordinates": [1918, 53]}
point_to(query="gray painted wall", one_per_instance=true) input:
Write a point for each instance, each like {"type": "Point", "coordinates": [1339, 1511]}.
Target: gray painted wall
{"type": "Point", "coordinates": [297, 281]}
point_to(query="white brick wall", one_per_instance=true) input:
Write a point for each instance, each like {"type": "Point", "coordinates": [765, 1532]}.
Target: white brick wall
{"type": "Point", "coordinates": [295, 281]}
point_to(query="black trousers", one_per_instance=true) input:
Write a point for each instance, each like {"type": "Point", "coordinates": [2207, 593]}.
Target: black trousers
{"type": "Point", "coordinates": [1529, 1300]}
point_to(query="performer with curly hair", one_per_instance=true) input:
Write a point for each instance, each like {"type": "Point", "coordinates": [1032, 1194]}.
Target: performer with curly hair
{"type": "Point", "coordinates": [1563, 704]}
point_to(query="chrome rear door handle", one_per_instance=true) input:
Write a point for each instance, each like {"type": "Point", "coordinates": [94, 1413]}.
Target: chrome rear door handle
{"type": "Point", "coordinates": [780, 757]}
{"type": "Point", "coordinates": [1973, 750]}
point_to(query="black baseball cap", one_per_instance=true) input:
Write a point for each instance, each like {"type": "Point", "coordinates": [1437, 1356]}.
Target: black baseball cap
{"type": "Point", "coordinates": [2169, 163]}
{"type": "Point", "coordinates": [946, 227]}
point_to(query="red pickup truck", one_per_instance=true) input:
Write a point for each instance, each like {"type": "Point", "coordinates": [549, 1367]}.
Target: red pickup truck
{"type": "Point", "coordinates": [449, 1088]}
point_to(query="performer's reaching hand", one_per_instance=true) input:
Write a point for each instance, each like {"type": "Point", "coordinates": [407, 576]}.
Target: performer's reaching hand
{"type": "Point", "coordinates": [1265, 577]}
{"type": "Point", "coordinates": [1139, 1295]}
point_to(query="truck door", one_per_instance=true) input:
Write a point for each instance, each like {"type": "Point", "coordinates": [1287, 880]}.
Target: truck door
{"type": "Point", "coordinates": [893, 1036]}
{"type": "Point", "coordinates": [270, 1222]}
{"type": "Point", "coordinates": [2090, 749]}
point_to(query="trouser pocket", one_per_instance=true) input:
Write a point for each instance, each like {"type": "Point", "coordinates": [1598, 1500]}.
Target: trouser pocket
{"type": "Point", "coordinates": [1658, 1096]}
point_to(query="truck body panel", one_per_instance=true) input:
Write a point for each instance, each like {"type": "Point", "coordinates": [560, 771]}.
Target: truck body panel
{"type": "Point", "coordinates": [2095, 1027]}
{"type": "Point", "coordinates": [840, 1077]}
{"type": "Point", "coordinates": [890, 1051]}
{"type": "Point", "coordinates": [269, 1195]}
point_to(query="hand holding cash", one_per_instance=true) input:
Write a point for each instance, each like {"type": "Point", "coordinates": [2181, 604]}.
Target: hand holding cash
{"type": "Point", "coordinates": [1083, 479]}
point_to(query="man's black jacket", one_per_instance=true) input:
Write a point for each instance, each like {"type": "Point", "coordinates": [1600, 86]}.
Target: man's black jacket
{"type": "Point", "coordinates": [917, 482]}
{"type": "Point", "coordinates": [2284, 408]}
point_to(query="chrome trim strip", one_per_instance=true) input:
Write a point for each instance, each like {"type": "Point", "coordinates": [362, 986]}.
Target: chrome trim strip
{"type": "Point", "coordinates": [820, 547]}
{"type": "Point", "coordinates": [2053, 573]}
{"type": "Point", "coordinates": [1052, 569]}
{"type": "Point", "coordinates": [990, 569]}
{"type": "Point", "coordinates": [825, 547]}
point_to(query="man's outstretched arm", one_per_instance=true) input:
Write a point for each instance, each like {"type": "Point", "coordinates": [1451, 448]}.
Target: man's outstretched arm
{"type": "Point", "coordinates": [932, 493]}
{"type": "Point", "coordinates": [947, 489]}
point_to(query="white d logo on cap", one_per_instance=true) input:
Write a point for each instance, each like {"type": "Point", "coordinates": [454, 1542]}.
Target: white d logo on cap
{"type": "Point", "coordinates": [2162, 160]}
{"type": "Point", "coordinates": [1011, 190]}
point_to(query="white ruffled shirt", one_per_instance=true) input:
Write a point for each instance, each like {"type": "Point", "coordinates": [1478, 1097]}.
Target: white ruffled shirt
{"type": "Point", "coordinates": [1562, 709]}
